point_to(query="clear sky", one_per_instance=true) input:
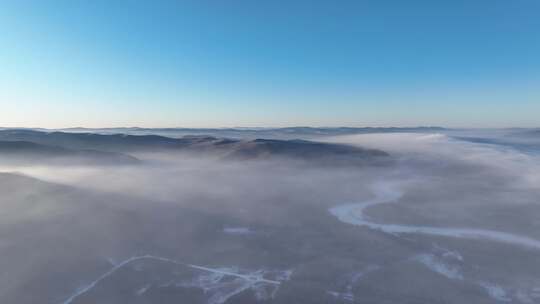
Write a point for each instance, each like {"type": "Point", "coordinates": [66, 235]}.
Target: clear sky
{"type": "Point", "coordinates": [457, 63]}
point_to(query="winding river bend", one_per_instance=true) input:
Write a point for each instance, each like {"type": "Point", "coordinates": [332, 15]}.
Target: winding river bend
{"type": "Point", "coordinates": [387, 192]}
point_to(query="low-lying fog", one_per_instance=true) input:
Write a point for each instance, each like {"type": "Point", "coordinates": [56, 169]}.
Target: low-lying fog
{"type": "Point", "coordinates": [448, 217]}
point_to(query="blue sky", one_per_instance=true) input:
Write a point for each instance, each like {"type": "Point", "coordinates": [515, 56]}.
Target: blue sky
{"type": "Point", "coordinates": [473, 63]}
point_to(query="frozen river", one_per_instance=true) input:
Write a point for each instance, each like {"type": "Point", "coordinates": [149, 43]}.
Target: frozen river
{"type": "Point", "coordinates": [388, 192]}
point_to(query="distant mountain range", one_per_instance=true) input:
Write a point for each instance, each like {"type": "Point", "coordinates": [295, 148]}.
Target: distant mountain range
{"type": "Point", "coordinates": [249, 133]}
{"type": "Point", "coordinates": [104, 142]}
{"type": "Point", "coordinates": [35, 146]}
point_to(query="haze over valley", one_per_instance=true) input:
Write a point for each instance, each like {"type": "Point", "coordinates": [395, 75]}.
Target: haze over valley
{"type": "Point", "coordinates": [418, 216]}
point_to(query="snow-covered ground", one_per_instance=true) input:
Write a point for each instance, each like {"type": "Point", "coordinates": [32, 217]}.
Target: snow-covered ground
{"type": "Point", "coordinates": [219, 284]}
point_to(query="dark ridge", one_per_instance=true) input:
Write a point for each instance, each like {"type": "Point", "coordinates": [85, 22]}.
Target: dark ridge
{"type": "Point", "coordinates": [304, 150]}
{"type": "Point", "coordinates": [527, 133]}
